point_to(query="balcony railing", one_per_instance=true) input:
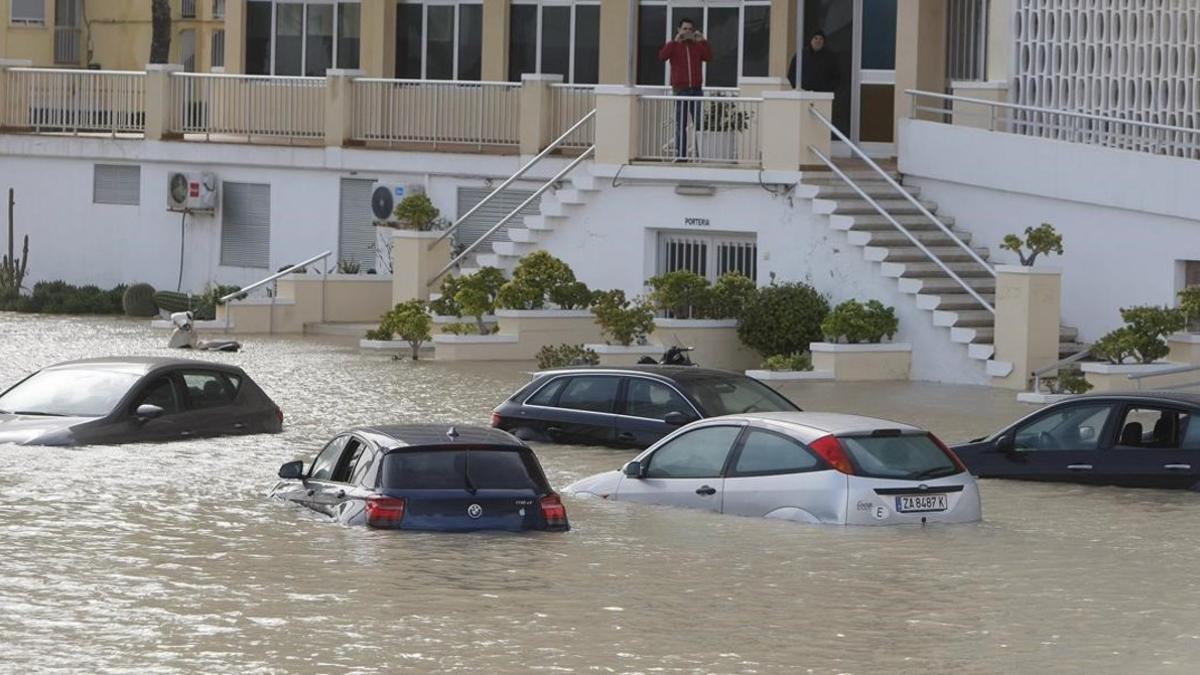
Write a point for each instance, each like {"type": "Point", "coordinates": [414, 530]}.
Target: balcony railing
{"type": "Point", "coordinates": [710, 129]}
{"type": "Point", "coordinates": [53, 100]}
{"type": "Point", "coordinates": [571, 102]}
{"type": "Point", "coordinates": [66, 45]}
{"type": "Point", "coordinates": [248, 106]}
{"type": "Point", "coordinates": [436, 112]}
{"type": "Point", "coordinates": [188, 9]}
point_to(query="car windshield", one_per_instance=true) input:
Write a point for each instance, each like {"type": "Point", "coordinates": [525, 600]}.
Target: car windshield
{"type": "Point", "coordinates": [910, 456]}
{"type": "Point", "coordinates": [733, 395]}
{"type": "Point", "coordinates": [79, 392]}
{"type": "Point", "coordinates": [447, 469]}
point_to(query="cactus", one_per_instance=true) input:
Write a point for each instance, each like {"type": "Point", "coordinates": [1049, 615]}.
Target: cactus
{"type": "Point", "coordinates": [173, 302]}
{"type": "Point", "coordinates": [12, 269]}
{"type": "Point", "coordinates": [138, 300]}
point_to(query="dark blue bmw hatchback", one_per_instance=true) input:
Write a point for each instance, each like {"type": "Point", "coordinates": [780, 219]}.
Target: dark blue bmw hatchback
{"type": "Point", "coordinates": [426, 477]}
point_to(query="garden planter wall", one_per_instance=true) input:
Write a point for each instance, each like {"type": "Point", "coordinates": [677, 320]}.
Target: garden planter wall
{"type": "Point", "coordinates": [621, 355]}
{"type": "Point", "coordinates": [522, 334]}
{"type": "Point", "coordinates": [498, 347]}
{"type": "Point", "coordinates": [342, 298]}
{"type": "Point", "coordinates": [852, 363]}
{"type": "Point", "coordinates": [413, 263]}
{"type": "Point", "coordinates": [1106, 377]}
{"type": "Point", "coordinates": [715, 342]}
{"type": "Point", "coordinates": [791, 375]}
{"type": "Point", "coordinates": [1185, 348]}
{"type": "Point", "coordinates": [1027, 321]}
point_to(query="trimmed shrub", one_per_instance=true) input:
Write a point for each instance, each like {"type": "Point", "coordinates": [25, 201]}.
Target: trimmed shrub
{"type": "Point", "coordinates": [562, 356]}
{"type": "Point", "coordinates": [1071, 381]}
{"type": "Point", "coordinates": [1144, 335]}
{"type": "Point", "coordinates": [539, 280]}
{"type": "Point", "coordinates": [681, 294]}
{"type": "Point", "coordinates": [797, 361]}
{"type": "Point", "coordinates": [446, 305]}
{"type": "Point", "coordinates": [857, 322]}
{"type": "Point", "coordinates": [621, 320]}
{"type": "Point", "coordinates": [59, 297]}
{"type": "Point", "coordinates": [410, 322]}
{"type": "Point", "coordinates": [1189, 304]}
{"type": "Point", "coordinates": [1042, 240]}
{"type": "Point", "coordinates": [476, 295]}
{"type": "Point", "coordinates": [378, 334]}
{"type": "Point", "coordinates": [732, 292]}
{"type": "Point", "coordinates": [783, 319]}
{"type": "Point", "coordinates": [139, 301]}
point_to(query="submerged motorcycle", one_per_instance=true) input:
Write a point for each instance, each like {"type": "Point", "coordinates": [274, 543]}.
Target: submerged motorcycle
{"type": "Point", "coordinates": [674, 356]}
{"type": "Point", "coordinates": [184, 337]}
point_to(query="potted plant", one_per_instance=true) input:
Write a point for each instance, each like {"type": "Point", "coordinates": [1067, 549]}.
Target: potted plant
{"type": "Point", "coordinates": [721, 123]}
{"type": "Point", "coordinates": [1143, 339]}
{"type": "Point", "coordinates": [561, 356]}
{"type": "Point", "coordinates": [1040, 240]}
{"type": "Point", "coordinates": [855, 347]}
{"type": "Point", "coordinates": [417, 212]}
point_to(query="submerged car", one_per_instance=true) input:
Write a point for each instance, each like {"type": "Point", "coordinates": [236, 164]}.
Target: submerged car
{"type": "Point", "coordinates": [628, 407]}
{"type": "Point", "coordinates": [806, 467]}
{"type": "Point", "coordinates": [123, 399]}
{"type": "Point", "coordinates": [426, 477]}
{"type": "Point", "coordinates": [1141, 439]}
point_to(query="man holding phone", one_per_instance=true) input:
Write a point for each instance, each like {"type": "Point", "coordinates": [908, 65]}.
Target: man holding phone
{"type": "Point", "coordinates": [686, 53]}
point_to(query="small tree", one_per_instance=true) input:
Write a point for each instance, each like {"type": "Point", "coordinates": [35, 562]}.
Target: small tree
{"type": "Point", "coordinates": [417, 212]}
{"type": "Point", "coordinates": [622, 320]}
{"type": "Point", "coordinates": [732, 292]}
{"type": "Point", "coordinates": [477, 294]}
{"type": "Point", "coordinates": [538, 279]}
{"type": "Point", "coordinates": [681, 294]}
{"type": "Point", "coordinates": [1143, 336]}
{"type": "Point", "coordinates": [1189, 304]}
{"type": "Point", "coordinates": [858, 322]}
{"type": "Point", "coordinates": [410, 322]}
{"type": "Point", "coordinates": [446, 305]}
{"type": "Point", "coordinates": [783, 319]}
{"type": "Point", "coordinates": [1043, 239]}
{"type": "Point", "coordinates": [566, 355]}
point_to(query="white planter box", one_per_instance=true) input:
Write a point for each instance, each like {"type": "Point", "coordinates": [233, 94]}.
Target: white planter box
{"type": "Point", "coordinates": [1185, 348]}
{"type": "Point", "coordinates": [1106, 377]}
{"type": "Point", "coordinates": [391, 346]}
{"type": "Point", "coordinates": [791, 375]}
{"type": "Point", "coordinates": [862, 362]}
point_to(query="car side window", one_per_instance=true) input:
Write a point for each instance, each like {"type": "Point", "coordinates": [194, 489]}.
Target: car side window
{"type": "Point", "coordinates": [765, 453]}
{"type": "Point", "coordinates": [595, 393]}
{"type": "Point", "coordinates": [1151, 427]}
{"type": "Point", "coordinates": [349, 461]}
{"type": "Point", "coordinates": [362, 467]}
{"type": "Point", "coordinates": [695, 454]}
{"type": "Point", "coordinates": [1076, 427]}
{"type": "Point", "coordinates": [548, 393]}
{"type": "Point", "coordinates": [325, 463]}
{"type": "Point", "coordinates": [207, 390]}
{"type": "Point", "coordinates": [653, 400]}
{"type": "Point", "coordinates": [162, 393]}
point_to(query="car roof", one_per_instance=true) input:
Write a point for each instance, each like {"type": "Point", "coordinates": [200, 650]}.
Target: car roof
{"type": "Point", "coordinates": [673, 373]}
{"type": "Point", "coordinates": [139, 365]}
{"type": "Point", "coordinates": [1150, 396]}
{"type": "Point", "coordinates": [829, 423]}
{"type": "Point", "coordinates": [408, 435]}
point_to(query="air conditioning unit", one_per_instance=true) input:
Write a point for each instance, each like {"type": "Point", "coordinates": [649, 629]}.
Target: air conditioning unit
{"type": "Point", "coordinates": [192, 191]}
{"type": "Point", "coordinates": [385, 195]}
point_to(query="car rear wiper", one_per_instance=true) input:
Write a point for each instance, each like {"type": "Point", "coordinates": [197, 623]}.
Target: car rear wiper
{"type": "Point", "coordinates": [467, 474]}
{"type": "Point", "coordinates": [937, 472]}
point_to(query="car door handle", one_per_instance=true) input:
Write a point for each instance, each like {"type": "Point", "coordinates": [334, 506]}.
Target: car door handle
{"type": "Point", "coordinates": [239, 425]}
{"type": "Point", "coordinates": [626, 436]}
{"type": "Point", "coordinates": [186, 432]}
{"type": "Point", "coordinates": [1177, 467]}
{"type": "Point", "coordinates": [1079, 467]}
{"type": "Point", "coordinates": [554, 430]}
{"type": "Point", "coordinates": [706, 490]}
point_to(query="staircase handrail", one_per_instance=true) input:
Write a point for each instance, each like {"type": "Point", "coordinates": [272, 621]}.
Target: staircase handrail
{"type": "Point", "coordinates": [903, 230]}
{"type": "Point", "coordinates": [1053, 367]}
{"type": "Point", "coordinates": [511, 179]}
{"type": "Point", "coordinates": [273, 277]}
{"type": "Point", "coordinates": [511, 214]}
{"type": "Point", "coordinates": [898, 188]}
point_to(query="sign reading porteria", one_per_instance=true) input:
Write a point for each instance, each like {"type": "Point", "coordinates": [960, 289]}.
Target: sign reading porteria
{"type": "Point", "coordinates": [696, 222]}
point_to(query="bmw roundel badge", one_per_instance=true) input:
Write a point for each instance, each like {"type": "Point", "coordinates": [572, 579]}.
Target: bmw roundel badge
{"type": "Point", "coordinates": [474, 510]}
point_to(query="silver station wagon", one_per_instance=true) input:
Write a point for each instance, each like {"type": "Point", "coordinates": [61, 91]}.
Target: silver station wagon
{"type": "Point", "coordinates": [805, 467]}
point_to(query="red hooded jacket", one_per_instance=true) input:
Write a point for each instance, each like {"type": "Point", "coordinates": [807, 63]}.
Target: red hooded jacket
{"type": "Point", "coordinates": [687, 62]}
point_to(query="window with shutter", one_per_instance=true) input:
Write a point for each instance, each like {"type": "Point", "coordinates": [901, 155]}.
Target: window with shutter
{"type": "Point", "coordinates": [709, 255]}
{"type": "Point", "coordinates": [245, 224]}
{"type": "Point", "coordinates": [356, 223]}
{"type": "Point", "coordinates": [117, 184]}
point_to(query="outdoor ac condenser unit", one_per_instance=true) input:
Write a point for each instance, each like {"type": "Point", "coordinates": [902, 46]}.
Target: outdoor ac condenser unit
{"type": "Point", "coordinates": [386, 194]}
{"type": "Point", "coordinates": [191, 191]}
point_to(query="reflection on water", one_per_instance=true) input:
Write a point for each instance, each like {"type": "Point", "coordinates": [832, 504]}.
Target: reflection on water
{"type": "Point", "coordinates": [170, 558]}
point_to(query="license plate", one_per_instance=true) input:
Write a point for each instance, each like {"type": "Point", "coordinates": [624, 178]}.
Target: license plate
{"type": "Point", "coordinates": [920, 503]}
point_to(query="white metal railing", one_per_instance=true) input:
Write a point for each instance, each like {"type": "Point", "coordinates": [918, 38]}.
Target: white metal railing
{"type": "Point", "coordinates": [570, 103]}
{"type": "Point", "coordinates": [438, 112]}
{"type": "Point", "coordinates": [699, 128]}
{"type": "Point", "coordinates": [895, 223]}
{"type": "Point", "coordinates": [66, 45]}
{"type": "Point", "coordinates": [1064, 125]}
{"type": "Point", "coordinates": [62, 100]}
{"type": "Point", "coordinates": [247, 105]}
{"type": "Point", "coordinates": [244, 291]}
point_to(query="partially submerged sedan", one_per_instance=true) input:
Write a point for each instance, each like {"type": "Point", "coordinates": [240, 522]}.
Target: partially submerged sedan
{"type": "Point", "coordinates": [806, 467]}
{"type": "Point", "coordinates": [123, 399]}
{"type": "Point", "coordinates": [426, 477]}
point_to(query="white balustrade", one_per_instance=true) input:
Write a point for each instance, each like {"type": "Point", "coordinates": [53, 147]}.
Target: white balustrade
{"type": "Point", "coordinates": [436, 112]}
{"type": "Point", "coordinates": [247, 105]}
{"type": "Point", "coordinates": [709, 129]}
{"type": "Point", "coordinates": [52, 100]}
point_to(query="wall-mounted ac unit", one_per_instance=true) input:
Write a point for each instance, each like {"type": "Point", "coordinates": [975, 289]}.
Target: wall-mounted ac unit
{"type": "Point", "coordinates": [386, 194]}
{"type": "Point", "coordinates": [192, 191]}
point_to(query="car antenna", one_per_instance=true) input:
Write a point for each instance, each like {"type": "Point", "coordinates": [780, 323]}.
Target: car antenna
{"type": "Point", "coordinates": [452, 433]}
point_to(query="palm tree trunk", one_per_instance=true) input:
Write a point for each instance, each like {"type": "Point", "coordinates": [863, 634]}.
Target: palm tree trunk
{"type": "Point", "coordinates": [160, 42]}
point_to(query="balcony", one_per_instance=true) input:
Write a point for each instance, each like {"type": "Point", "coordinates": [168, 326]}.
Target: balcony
{"type": "Point", "coordinates": [67, 40]}
{"type": "Point", "coordinates": [188, 9]}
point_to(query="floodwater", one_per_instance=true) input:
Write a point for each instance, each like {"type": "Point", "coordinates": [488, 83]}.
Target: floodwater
{"type": "Point", "coordinates": [171, 558]}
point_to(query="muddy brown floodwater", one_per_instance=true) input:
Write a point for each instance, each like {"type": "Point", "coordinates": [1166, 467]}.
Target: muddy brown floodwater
{"type": "Point", "coordinates": [171, 558]}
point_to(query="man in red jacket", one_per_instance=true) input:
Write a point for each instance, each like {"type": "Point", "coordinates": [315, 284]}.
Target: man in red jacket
{"type": "Point", "coordinates": [686, 54]}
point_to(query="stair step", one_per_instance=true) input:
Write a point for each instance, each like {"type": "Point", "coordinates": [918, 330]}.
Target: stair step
{"type": "Point", "coordinates": [523, 235]}
{"type": "Point", "coordinates": [876, 190]}
{"type": "Point", "coordinates": [541, 222]}
{"type": "Point", "coordinates": [898, 239]}
{"type": "Point", "coordinates": [985, 286]}
{"type": "Point", "coordinates": [1070, 348]}
{"type": "Point", "coordinates": [552, 207]}
{"type": "Point", "coordinates": [570, 196]}
{"type": "Point", "coordinates": [513, 248]}
{"type": "Point", "coordinates": [981, 351]}
{"type": "Point", "coordinates": [855, 206]}
{"type": "Point", "coordinates": [952, 301]}
{"type": "Point", "coordinates": [925, 270]}
{"type": "Point", "coordinates": [585, 182]}
{"type": "Point", "coordinates": [907, 254]}
{"type": "Point", "coordinates": [987, 335]}
{"type": "Point", "coordinates": [857, 175]}
{"type": "Point", "coordinates": [876, 222]}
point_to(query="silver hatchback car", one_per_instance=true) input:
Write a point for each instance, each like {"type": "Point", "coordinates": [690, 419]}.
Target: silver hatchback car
{"type": "Point", "coordinates": [806, 467]}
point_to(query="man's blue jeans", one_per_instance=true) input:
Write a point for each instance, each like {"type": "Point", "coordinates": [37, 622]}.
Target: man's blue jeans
{"type": "Point", "coordinates": [684, 110]}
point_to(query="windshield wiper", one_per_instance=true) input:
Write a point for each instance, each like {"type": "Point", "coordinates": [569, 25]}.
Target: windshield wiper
{"type": "Point", "coordinates": [39, 413]}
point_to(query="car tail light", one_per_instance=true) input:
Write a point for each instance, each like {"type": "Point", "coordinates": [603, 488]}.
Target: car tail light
{"type": "Point", "coordinates": [385, 511]}
{"type": "Point", "coordinates": [949, 453]}
{"type": "Point", "coordinates": [554, 512]}
{"type": "Point", "coordinates": [496, 420]}
{"type": "Point", "coordinates": [830, 449]}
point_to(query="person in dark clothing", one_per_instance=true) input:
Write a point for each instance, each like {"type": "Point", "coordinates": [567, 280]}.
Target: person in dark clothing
{"type": "Point", "coordinates": [686, 53]}
{"type": "Point", "coordinates": [820, 67]}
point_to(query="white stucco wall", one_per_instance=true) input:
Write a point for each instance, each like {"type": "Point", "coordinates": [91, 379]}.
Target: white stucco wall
{"type": "Point", "coordinates": [1128, 219]}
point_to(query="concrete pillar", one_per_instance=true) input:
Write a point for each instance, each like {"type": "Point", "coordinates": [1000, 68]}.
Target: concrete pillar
{"type": "Point", "coordinates": [977, 115]}
{"type": "Point", "coordinates": [920, 52]}
{"type": "Point", "coordinates": [618, 44]}
{"type": "Point", "coordinates": [495, 41]}
{"type": "Point", "coordinates": [616, 124]}
{"type": "Point", "coordinates": [377, 50]}
{"type": "Point", "coordinates": [788, 129]}
{"type": "Point", "coordinates": [753, 87]}
{"type": "Point", "coordinates": [235, 36]}
{"type": "Point", "coordinates": [1027, 320]}
{"type": "Point", "coordinates": [413, 263]}
{"type": "Point", "coordinates": [339, 90]}
{"type": "Point", "coordinates": [158, 99]}
{"type": "Point", "coordinates": [783, 37]}
{"type": "Point", "coordinates": [999, 40]}
{"type": "Point", "coordinates": [537, 112]}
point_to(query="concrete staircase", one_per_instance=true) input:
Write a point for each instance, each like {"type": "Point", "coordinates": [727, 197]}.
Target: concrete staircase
{"type": "Point", "coordinates": [951, 307]}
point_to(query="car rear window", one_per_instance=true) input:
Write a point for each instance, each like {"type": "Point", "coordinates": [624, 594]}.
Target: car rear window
{"type": "Point", "coordinates": [733, 395]}
{"type": "Point", "coordinates": [910, 456]}
{"type": "Point", "coordinates": [447, 469]}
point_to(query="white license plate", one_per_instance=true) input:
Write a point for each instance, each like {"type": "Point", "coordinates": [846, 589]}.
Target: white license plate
{"type": "Point", "coordinates": [920, 503]}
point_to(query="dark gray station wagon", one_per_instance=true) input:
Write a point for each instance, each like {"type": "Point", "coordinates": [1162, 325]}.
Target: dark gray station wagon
{"type": "Point", "coordinates": [628, 407]}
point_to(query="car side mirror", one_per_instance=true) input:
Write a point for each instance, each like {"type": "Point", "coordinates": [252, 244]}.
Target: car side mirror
{"type": "Point", "coordinates": [147, 411]}
{"type": "Point", "coordinates": [292, 470]}
{"type": "Point", "coordinates": [676, 418]}
{"type": "Point", "coordinates": [632, 469]}
{"type": "Point", "coordinates": [1006, 443]}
